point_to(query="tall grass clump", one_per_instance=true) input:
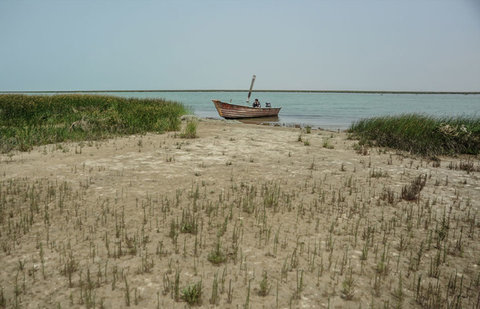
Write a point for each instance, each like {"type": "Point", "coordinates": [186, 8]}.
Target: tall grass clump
{"type": "Point", "coordinates": [421, 134]}
{"type": "Point", "coordinates": [30, 120]}
{"type": "Point", "coordinates": [190, 130]}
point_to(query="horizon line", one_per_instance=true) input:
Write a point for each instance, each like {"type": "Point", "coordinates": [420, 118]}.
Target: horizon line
{"type": "Point", "coordinates": [244, 90]}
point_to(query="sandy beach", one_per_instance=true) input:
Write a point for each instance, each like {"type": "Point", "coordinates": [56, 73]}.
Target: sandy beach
{"type": "Point", "coordinates": [262, 216]}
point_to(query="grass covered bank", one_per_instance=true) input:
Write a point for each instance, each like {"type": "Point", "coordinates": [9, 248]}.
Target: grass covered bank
{"type": "Point", "coordinates": [31, 120]}
{"type": "Point", "coordinates": [420, 134]}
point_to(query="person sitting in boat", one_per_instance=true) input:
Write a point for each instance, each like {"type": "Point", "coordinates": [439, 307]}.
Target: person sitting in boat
{"type": "Point", "coordinates": [256, 103]}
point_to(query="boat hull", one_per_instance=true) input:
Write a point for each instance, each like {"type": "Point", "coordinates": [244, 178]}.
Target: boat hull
{"type": "Point", "coordinates": [232, 111]}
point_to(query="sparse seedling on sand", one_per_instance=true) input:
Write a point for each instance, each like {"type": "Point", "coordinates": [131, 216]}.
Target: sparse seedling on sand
{"type": "Point", "coordinates": [192, 294]}
{"type": "Point", "coordinates": [256, 227]}
{"type": "Point", "coordinates": [348, 286]}
{"type": "Point", "coordinates": [217, 256]}
{"type": "Point", "coordinates": [265, 286]}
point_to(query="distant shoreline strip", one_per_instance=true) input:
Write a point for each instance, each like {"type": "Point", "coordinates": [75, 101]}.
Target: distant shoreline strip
{"type": "Point", "coordinates": [243, 90]}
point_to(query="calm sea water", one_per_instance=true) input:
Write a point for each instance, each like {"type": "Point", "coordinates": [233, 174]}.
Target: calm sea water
{"type": "Point", "coordinates": [327, 110]}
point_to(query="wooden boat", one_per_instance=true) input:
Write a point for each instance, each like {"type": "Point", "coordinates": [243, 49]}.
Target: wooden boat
{"type": "Point", "coordinates": [232, 111]}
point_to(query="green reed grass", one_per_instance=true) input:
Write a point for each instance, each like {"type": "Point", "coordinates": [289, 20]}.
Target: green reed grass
{"type": "Point", "coordinates": [421, 134]}
{"type": "Point", "coordinates": [30, 120]}
{"type": "Point", "coordinates": [190, 130]}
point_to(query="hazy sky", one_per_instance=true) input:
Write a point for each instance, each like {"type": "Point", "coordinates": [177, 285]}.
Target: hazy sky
{"type": "Point", "coordinates": [332, 45]}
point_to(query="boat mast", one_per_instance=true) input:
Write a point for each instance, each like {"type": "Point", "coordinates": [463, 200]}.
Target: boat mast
{"type": "Point", "coordinates": [250, 91]}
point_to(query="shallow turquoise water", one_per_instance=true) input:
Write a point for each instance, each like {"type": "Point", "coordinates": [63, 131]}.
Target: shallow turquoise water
{"type": "Point", "coordinates": [327, 110]}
